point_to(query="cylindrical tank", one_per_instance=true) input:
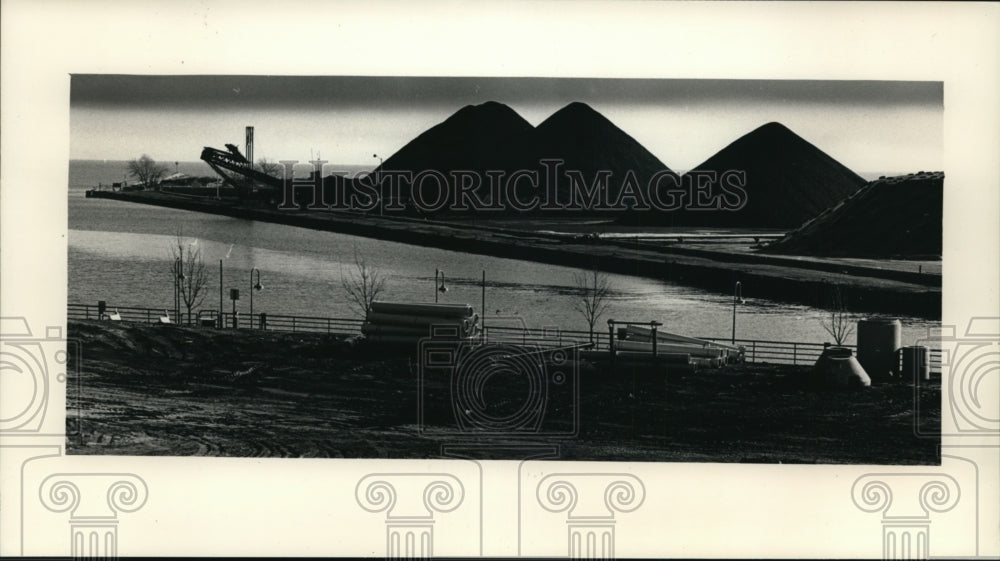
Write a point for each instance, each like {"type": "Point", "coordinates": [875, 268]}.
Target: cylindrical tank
{"type": "Point", "coordinates": [916, 363]}
{"type": "Point", "coordinates": [878, 343]}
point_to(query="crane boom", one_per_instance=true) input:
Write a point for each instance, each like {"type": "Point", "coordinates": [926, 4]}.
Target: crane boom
{"type": "Point", "coordinates": [235, 162]}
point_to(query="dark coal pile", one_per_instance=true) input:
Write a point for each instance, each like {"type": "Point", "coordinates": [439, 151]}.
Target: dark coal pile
{"type": "Point", "coordinates": [488, 156]}
{"type": "Point", "coordinates": [588, 143]}
{"type": "Point", "coordinates": [896, 217]}
{"type": "Point", "coordinates": [786, 181]}
{"type": "Point", "coordinates": [492, 140]}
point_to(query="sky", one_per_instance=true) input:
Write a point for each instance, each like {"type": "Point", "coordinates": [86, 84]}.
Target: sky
{"type": "Point", "coordinates": [869, 126]}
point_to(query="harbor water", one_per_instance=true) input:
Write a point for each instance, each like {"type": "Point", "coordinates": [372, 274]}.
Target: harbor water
{"type": "Point", "coordinates": [121, 253]}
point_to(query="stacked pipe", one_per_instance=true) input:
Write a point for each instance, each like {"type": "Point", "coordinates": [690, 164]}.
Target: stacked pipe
{"type": "Point", "coordinates": [700, 351]}
{"type": "Point", "coordinates": [405, 323]}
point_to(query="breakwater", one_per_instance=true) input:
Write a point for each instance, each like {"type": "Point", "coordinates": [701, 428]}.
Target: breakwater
{"type": "Point", "coordinates": [866, 290]}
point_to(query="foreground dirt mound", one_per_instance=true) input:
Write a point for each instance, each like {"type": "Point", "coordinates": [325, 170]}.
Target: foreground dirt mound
{"type": "Point", "coordinates": [896, 217]}
{"type": "Point", "coordinates": [168, 390]}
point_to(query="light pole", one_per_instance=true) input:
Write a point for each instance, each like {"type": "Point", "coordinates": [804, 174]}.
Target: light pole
{"type": "Point", "coordinates": [737, 299]}
{"type": "Point", "coordinates": [234, 295]}
{"type": "Point", "coordinates": [253, 288]}
{"type": "Point", "coordinates": [378, 181]}
{"type": "Point", "coordinates": [220, 295]}
{"type": "Point", "coordinates": [178, 278]}
{"type": "Point", "coordinates": [482, 325]}
{"type": "Point", "coordinates": [439, 288]}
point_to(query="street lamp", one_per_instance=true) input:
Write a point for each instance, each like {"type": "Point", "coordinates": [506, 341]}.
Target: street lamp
{"type": "Point", "coordinates": [178, 278]}
{"type": "Point", "coordinates": [253, 288]}
{"type": "Point", "coordinates": [439, 286]}
{"type": "Point", "coordinates": [221, 324]}
{"type": "Point", "coordinates": [378, 181]}
{"type": "Point", "coordinates": [737, 299]}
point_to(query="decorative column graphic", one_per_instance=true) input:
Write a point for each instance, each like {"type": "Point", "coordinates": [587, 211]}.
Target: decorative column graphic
{"type": "Point", "coordinates": [94, 501]}
{"type": "Point", "coordinates": [590, 514]}
{"type": "Point", "coordinates": [34, 371]}
{"type": "Point", "coordinates": [906, 501]}
{"type": "Point", "coordinates": [409, 517]}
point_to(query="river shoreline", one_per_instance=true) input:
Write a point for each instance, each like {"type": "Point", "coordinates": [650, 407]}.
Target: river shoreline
{"type": "Point", "coordinates": [867, 289]}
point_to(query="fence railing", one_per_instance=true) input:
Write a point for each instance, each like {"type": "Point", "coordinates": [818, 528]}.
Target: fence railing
{"type": "Point", "coordinates": [543, 337]}
{"type": "Point", "coordinates": [126, 313]}
{"type": "Point", "coordinates": [777, 352]}
{"type": "Point", "coordinates": [791, 352]}
{"type": "Point", "coordinates": [276, 322]}
{"type": "Point", "coordinates": [270, 322]}
{"type": "Point", "coordinates": [756, 350]}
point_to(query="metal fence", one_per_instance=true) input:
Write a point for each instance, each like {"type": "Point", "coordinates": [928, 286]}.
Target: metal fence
{"type": "Point", "coordinates": [309, 324]}
{"type": "Point", "coordinates": [210, 318]}
{"type": "Point", "coordinates": [125, 313]}
{"type": "Point", "coordinates": [545, 337]}
{"type": "Point", "coordinates": [791, 352]}
{"type": "Point", "coordinates": [756, 350]}
{"type": "Point", "coordinates": [777, 352]}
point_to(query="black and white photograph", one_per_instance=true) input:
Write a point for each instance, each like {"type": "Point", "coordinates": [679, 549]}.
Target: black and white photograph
{"type": "Point", "coordinates": [413, 267]}
{"type": "Point", "coordinates": [539, 279]}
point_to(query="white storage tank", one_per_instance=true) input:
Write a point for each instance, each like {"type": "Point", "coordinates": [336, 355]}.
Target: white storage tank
{"type": "Point", "coordinates": [916, 363]}
{"type": "Point", "coordinates": [879, 340]}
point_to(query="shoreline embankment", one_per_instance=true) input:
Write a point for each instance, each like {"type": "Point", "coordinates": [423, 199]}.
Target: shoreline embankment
{"type": "Point", "coordinates": [865, 289]}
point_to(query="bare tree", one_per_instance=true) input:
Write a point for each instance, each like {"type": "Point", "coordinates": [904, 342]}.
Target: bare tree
{"type": "Point", "coordinates": [838, 325]}
{"type": "Point", "coordinates": [269, 167]}
{"type": "Point", "coordinates": [191, 277]}
{"type": "Point", "coordinates": [146, 170]}
{"type": "Point", "coordinates": [595, 288]}
{"type": "Point", "coordinates": [363, 285]}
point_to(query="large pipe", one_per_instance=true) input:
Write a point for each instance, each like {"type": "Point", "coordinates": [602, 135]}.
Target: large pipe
{"type": "Point", "coordinates": [422, 309]}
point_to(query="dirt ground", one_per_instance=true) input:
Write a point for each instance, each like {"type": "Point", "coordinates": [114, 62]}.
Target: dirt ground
{"type": "Point", "coordinates": [180, 391]}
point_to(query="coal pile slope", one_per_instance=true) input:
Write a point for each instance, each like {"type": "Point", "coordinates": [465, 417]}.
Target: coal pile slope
{"type": "Point", "coordinates": [787, 181]}
{"type": "Point", "coordinates": [492, 137]}
{"type": "Point", "coordinates": [897, 217]}
{"type": "Point", "coordinates": [587, 142]}
{"type": "Point", "coordinates": [476, 138]}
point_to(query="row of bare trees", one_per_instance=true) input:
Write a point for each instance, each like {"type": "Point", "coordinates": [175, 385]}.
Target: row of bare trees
{"type": "Point", "coordinates": [189, 273]}
{"type": "Point", "coordinates": [364, 283]}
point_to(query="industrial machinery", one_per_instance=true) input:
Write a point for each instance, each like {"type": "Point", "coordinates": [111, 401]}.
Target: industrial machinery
{"type": "Point", "coordinates": [238, 171]}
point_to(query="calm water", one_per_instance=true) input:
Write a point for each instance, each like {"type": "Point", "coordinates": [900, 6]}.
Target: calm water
{"type": "Point", "coordinates": [120, 252]}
